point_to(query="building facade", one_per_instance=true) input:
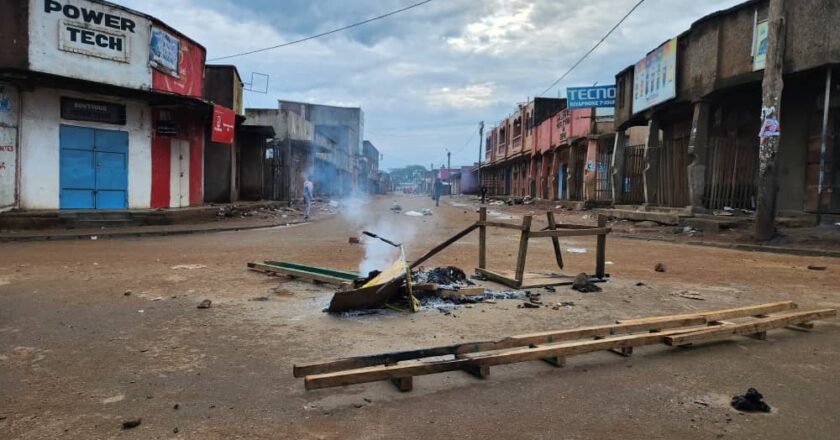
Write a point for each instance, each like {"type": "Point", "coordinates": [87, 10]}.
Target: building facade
{"type": "Point", "coordinates": [704, 113]}
{"type": "Point", "coordinates": [101, 107]}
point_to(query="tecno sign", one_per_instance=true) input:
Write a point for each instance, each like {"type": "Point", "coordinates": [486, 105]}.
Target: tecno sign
{"type": "Point", "coordinates": [92, 32]}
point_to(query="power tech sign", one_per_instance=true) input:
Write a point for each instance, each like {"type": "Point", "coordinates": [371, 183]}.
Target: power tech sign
{"type": "Point", "coordinates": [89, 31]}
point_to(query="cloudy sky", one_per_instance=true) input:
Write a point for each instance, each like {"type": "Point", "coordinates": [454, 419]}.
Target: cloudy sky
{"type": "Point", "coordinates": [426, 77]}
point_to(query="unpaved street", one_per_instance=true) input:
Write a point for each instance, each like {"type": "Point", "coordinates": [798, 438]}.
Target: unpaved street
{"type": "Point", "coordinates": [96, 332]}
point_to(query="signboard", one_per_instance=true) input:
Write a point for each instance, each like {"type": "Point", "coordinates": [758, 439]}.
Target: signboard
{"type": "Point", "coordinates": [92, 111]}
{"type": "Point", "coordinates": [224, 121]}
{"type": "Point", "coordinates": [760, 45]}
{"type": "Point", "coordinates": [92, 41]}
{"type": "Point", "coordinates": [655, 77]}
{"type": "Point", "coordinates": [188, 78]}
{"type": "Point", "coordinates": [590, 97]}
{"type": "Point", "coordinates": [164, 51]}
{"type": "Point", "coordinates": [564, 123]}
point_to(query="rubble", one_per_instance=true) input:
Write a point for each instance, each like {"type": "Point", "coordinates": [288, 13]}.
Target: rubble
{"type": "Point", "coordinates": [131, 423]}
{"type": "Point", "coordinates": [583, 284]}
{"type": "Point", "coordinates": [659, 267]}
{"type": "Point", "coordinates": [750, 402]}
{"type": "Point", "coordinates": [205, 304]}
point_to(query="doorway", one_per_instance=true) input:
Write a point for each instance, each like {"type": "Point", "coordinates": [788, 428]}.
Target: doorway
{"type": "Point", "coordinates": [93, 170]}
{"type": "Point", "coordinates": [179, 177]}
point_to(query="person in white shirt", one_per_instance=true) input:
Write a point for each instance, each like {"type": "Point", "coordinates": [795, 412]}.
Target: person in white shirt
{"type": "Point", "coordinates": [308, 190]}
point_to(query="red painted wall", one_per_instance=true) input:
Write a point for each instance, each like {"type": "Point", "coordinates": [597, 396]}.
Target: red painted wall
{"type": "Point", "coordinates": [190, 81]}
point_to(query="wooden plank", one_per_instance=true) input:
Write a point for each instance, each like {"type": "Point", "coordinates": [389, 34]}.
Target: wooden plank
{"type": "Point", "coordinates": [311, 276]}
{"type": "Point", "coordinates": [601, 248]}
{"type": "Point", "coordinates": [499, 278]}
{"type": "Point", "coordinates": [373, 374]}
{"type": "Point", "coordinates": [500, 225]}
{"type": "Point", "coordinates": [720, 315]}
{"type": "Point", "coordinates": [437, 249]}
{"type": "Point", "coordinates": [750, 328]}
{"type": "Point", "coordinates": [523, 248]}
{"type": "Point", "coordinates": [475, 347]}
{"type": "Point", "coordinates": [547, 337]}
{"type": "Point", "coordinates": [552, 225]}
{"type": "Point", "coordinates": [568, 226]}
{"type": "Point", "coordinates": [570, 232]}
{"type": "Point", "coordinates": [482, 238]}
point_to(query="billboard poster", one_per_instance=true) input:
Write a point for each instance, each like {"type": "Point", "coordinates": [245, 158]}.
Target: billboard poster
{"type": "Point", "coordinates": [655, 77]}
{"type": "Point", "coordinates": [590, 97]}
{"type": "Point", "coordinates": [164, 51]}
{"type": "Point", "coordinates": [224, 121]}
{"type": "Point", "coordinates": [760, 47]}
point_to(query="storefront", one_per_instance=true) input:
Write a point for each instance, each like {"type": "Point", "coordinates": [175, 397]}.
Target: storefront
{"type": "Point", "coordinates": [89, 104]}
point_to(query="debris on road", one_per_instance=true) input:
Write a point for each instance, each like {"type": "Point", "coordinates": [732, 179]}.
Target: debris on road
{"type": "Point", "coordinates": [750, 402]}
{"type": "Point", "coordinates": [816, 267]}
{"type": "Point", "coordinates": [131, 423]}
{"type": "Point", "coordinates": [696, 296]}
{"type": "Point", "coordinates": [659, 267]}
{"type": "Point", "coordinates": [205, 304]}
{"type": "Point", "coordinates": [528, 305]}
{"type": "Point", "coordinates": [576, 250]}
{"type": "Point", "coordinates": [354, 240]}
{"type": "Point", "coordinates": [188, 267]}
{"type": "Point", "coordinates": [583, 284]}
{"type": "Point", "coordinates": [422, 213]}
{"type": "Point", "coordinates": [396, 207]}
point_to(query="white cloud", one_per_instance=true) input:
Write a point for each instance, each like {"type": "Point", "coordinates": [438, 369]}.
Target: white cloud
{"type": "Point", "coordinates": [471, 96]}
{"type": "Point", "coordinates": [503, 30]}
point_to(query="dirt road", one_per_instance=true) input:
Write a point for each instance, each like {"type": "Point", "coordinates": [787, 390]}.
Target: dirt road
{"type": "Point", "coordinates": [96, 332]}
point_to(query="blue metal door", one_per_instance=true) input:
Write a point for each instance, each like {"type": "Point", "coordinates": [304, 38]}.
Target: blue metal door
{"type": "Point", "coordinates": [94, 168]}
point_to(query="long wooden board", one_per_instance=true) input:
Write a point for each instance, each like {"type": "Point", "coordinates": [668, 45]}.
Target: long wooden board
{"type": "Point", "coordinates": [547, 337]}
{"type": "Point", "coordinates": [373, 374]}
{"type": "Point", "coordinates": [719, 315]}
{"type": "Point", "coordinates": [750, 328]}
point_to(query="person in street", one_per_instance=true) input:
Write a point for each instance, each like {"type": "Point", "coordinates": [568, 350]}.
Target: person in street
{"type": "Point", "coordinates": [438, 189]}
{"type": "Point", "coordinates": [308, 190]}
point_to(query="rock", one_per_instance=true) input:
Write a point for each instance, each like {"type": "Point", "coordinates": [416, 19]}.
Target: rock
{"type": "Point", "coordinates": [131, 423]}
{"type": "Point", "coordinates": [176, 406]}
{"type": "Point", "coordinates": [205, 304]}
{"type": "Point", "coordinates": [582, 284]}
{"type": "Point", "coordinates": [353, 240]}
{"type": "Point", "coordinates": [816, 267]}
{"type": "Point", "coordinates": [175, 431]}
{"type": "Point", "coordinates": [260, 298]}
{"type": "Point", "coordinates": [549, 289]}
{"type": "Point", "coordinates": [529, 305]}
{"type": "Point", "coordinates": [640, 284]}
{"type": "Point", "coordinates": [127, 293]}
{"type": "Point", "coordinates": [659, 267]}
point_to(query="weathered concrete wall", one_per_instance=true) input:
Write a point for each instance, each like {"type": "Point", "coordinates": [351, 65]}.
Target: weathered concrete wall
{"type": "Point", "coordinates": [14, 31]}
{"type": "Point", "coordinates": [286, 124]}
{"type": "Point", "coordinates": [39, 147]}
{"type": "Point", "coordinates": [9, 114]}
{"type": "Point", "coordinates": [224, 87]}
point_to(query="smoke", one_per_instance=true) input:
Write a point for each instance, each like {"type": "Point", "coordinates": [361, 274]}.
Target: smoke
{"type": "Point", "coordinates": [357, 210]}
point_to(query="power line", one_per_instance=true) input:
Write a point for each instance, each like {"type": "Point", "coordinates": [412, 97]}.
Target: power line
{"type": "Point", "coordinates": [312, 37]}
{"type": "Point", "coordinates": [586, 55]}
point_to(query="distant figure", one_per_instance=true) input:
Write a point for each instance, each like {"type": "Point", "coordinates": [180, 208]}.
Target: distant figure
{"type": "Point", "coordinates": [438, 189]}
{"type": "Point", "coordinates": [483, 195]}
{"type": "Point", "coordinates": [308, 190]}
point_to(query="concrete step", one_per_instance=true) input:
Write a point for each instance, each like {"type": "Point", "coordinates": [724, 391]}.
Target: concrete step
{"type": "Point", "coordinates": [709, 223]}
{"type": "Point", "coordinates": [665, 218]}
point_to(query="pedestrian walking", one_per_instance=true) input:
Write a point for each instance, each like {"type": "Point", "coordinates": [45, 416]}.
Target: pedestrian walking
{"type": "Point", "coordinates": [308, 190]}
{"type": "Point", "coordinates": [438, 189]}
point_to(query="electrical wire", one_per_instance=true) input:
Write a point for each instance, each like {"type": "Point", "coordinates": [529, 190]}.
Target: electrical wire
{"type": "Point", "coordinates": [323, 34]}
{"type": "Point", "coordinates": [586, 55]}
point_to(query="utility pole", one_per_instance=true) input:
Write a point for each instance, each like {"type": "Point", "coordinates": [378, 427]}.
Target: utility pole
{"type": "Point", "coordinates": [771, 107]}
{"type": "Point", "coordinates": [448, 160]}
{"type": "Point", "coordinates": [480, 153]}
